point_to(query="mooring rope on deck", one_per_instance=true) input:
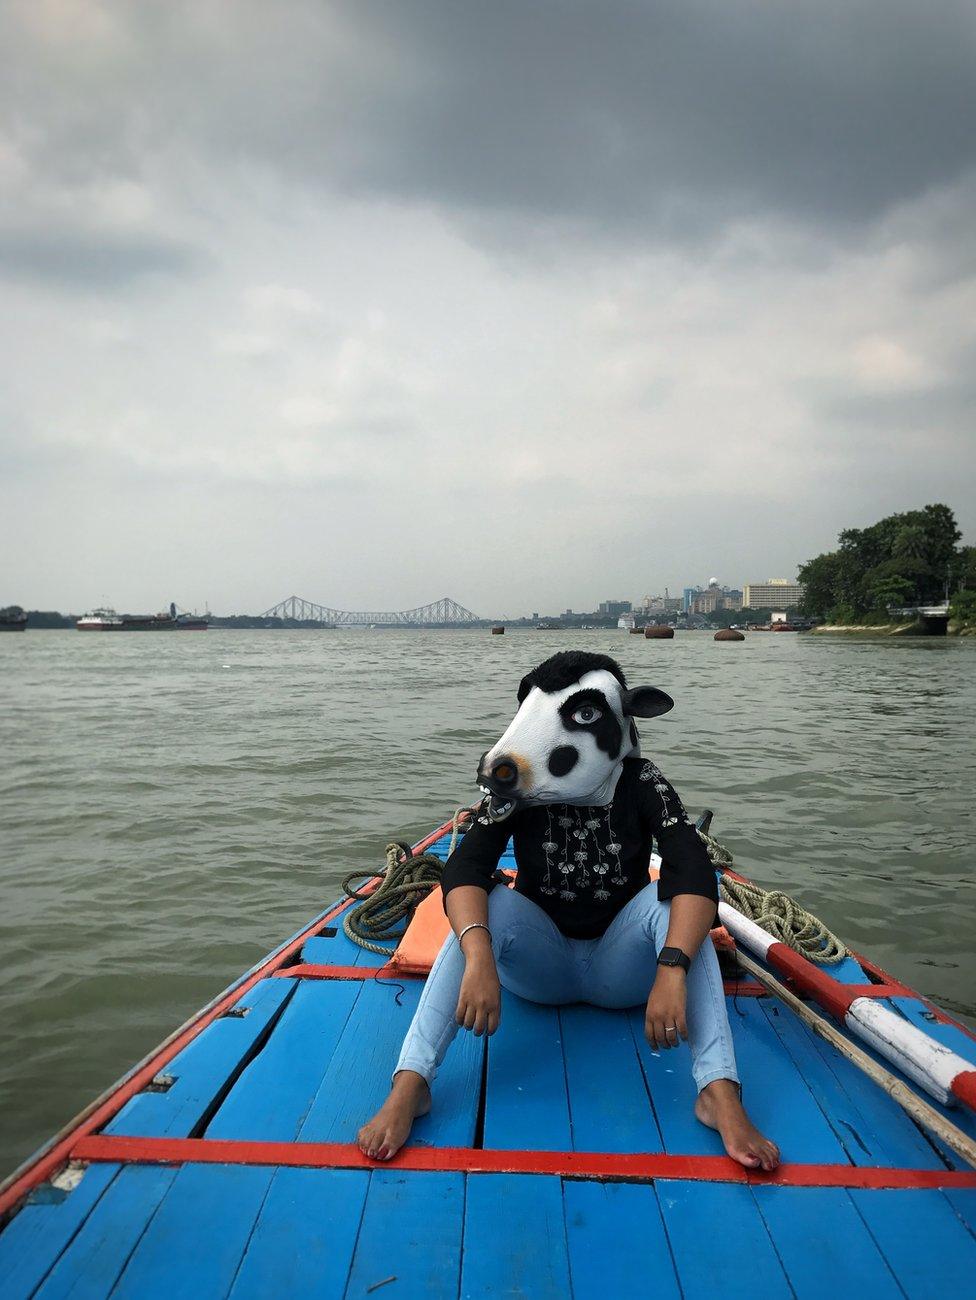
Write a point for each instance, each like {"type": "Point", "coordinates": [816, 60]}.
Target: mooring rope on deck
{"type": "Point", "coordinates": [775, 911]}
{"type": "Point", "coordinates": [406, 880]}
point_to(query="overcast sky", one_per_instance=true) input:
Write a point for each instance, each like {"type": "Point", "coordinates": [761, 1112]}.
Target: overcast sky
{"type": "Point", "coordinates": [529, 304]}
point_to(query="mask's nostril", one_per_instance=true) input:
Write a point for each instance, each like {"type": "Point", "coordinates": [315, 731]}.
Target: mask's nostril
{"type": "Point", "coordinates": [505, 772]}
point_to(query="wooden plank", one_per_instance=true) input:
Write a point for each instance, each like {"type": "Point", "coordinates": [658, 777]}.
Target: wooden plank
{"type": "Point", "coordinates": [358, 1076]}
{"type": "Point", "coordinates": [719, 1242]}
{"type": "Point", "coordinates": [609, 1106]}
{"type": "Point", "coordinates": [823, 1243]}
{"type": "Point", "coordinates": [514, 1238]}
{"type": "Point", "coordinates": [928, 1248]}
{"type": "Point", "coordinates": [303, 1241]}
{"type": "Point", "coordinates": [774, 1092]}
{"type": "Point", "coordinates": [411, 1231]}
{"type": "Point", "coordinates": [526, 1106]}
{"type": "Point", "coordinates": [616, 1241]}
{"type": "Point", "coordinates": [90, 1267]}
{"type": "Point", "coordinates": [963, 1203]}
{"type": "Point", "coordinates": [338, 950]}
{"type": "Point", "coordinates": [198, 1235]}
{"type": "Point", "coordinates": [273, 1095]}
{"type": "Point", "coordinates": [202, 1068]}
{"type": "Point", "coordinates": [870, 1127]}
{"type": "Point", "coordinates": [32, 1242]}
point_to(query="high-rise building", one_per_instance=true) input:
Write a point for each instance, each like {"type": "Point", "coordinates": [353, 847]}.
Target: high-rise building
{"type": "Point", "coordinates": [713, 597]}
{"type": "Point", "coordinates": [774, 593]}
{"type": "Point", "coordinates": [614, 608]}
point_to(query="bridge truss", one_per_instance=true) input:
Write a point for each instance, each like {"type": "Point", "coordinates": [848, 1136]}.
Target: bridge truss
{"type": "Point", "coordinates": [440, 613]}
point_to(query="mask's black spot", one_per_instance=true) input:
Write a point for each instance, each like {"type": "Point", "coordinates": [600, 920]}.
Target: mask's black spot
{"type": "Point", "coordinates": [563, 759]}
{"type": "Point", "coordinates": [605, 729]}
{"type": "Point", "coordinates": [561, 670]}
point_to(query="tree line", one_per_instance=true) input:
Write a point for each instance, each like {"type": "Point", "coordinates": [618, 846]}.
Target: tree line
{"type": "Point", "coordinates": [912, 558]}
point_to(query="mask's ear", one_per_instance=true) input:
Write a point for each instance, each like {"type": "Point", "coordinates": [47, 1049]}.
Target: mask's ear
{"type": "Point", "coordinates": [646, 702]}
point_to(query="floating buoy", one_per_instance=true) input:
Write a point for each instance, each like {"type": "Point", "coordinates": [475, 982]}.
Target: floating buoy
{"type": "Point", "coordinates": [728, 634]}
{"type": "Point", "coordinates": [498, 631]}
{"type": "Point", "coordinates": [636, 631]}
{"type": "Point", "coordinates": [658, 631]}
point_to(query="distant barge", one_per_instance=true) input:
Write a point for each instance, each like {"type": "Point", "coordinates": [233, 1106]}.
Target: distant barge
{"type": "Point", "coordinates": [12, 619]}
{"type": "Point", "coordinates": [106, 620]}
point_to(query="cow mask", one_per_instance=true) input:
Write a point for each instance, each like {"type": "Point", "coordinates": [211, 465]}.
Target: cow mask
{"type": "Point", "coordinates": [567, 742]}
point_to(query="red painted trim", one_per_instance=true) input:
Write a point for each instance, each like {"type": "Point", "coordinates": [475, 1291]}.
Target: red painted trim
{"type": "Point", "coordinates": [876, 990]}
{"type": "Point", "coordinates": [310, 971]}
{"type": "Point", "coordinates": [828, 992]}
{"type": "Point", "coordinates": [963, 1086]}
{"type": "Point", "coordinates": [313, 972]}
{"type": "Point", "coordinates": [744, 989]}
{"type": "Point", "coordinates": [568, 1164]}
{"type": "Point", "coordinates": [51, 1159]}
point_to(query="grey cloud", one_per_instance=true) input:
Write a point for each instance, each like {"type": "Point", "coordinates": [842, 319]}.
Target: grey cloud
{"type": "Point", "coordinates": [934, 407]}
{"type": "Point", "coordinates": [657, 122]}
{"type": "Point", "coordinates": [87, 260]}
{"type": "Point", "coordinates": [671, 118]}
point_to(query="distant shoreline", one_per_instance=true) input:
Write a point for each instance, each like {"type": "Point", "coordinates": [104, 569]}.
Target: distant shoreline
{"type": "Point", "coordinates": [890, 629]}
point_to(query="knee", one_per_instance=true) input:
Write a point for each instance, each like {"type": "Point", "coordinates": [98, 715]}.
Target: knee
{"type": "Point", "coordinates": [651, 913]}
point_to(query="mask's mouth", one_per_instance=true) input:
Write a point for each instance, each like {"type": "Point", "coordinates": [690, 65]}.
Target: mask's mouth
{"type": "Point", "coordinates": [499, 807]}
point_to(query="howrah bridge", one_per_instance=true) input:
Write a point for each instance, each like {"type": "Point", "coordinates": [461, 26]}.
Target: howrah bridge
{"type": "Point", "coordinates": [439, 613]}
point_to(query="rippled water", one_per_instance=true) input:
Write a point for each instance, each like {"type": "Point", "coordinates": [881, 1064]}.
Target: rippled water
{"type": "Point", "coordinates": [173, 806]}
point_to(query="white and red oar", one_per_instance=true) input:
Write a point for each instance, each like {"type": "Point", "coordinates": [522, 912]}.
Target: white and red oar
{"type": "Point", "coordinates": [945, 1075]}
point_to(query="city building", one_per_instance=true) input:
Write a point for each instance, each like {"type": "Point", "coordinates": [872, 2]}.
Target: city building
{"type": "Point", "coordinates": [665, 604]}
{"type": "Point", "coordinates": [614, 608]}
{"type": "Point", "coordinates": [713, 597]}
{"type": "Point", "coordinates": [774, 593]}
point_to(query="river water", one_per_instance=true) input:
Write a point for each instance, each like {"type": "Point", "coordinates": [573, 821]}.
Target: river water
{"type": "Point", "coordinates": [171, 806]}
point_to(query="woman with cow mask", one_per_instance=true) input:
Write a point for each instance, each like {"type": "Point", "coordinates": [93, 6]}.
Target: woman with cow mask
{"type": "Point", "coordinates": [583, 923]}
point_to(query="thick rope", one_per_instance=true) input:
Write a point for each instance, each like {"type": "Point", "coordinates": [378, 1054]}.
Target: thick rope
{"type": "Point", "coordinates": [776, 912]}
{"type": "Point", "coordinates": [406, 881]}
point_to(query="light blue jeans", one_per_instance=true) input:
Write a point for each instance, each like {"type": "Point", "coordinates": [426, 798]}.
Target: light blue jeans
{"type": "Point", "coordinates": [536, 961]}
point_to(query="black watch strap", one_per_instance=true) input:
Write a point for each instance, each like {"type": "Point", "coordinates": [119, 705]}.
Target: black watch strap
{"type": "Point", "coordinates": [674, 957]}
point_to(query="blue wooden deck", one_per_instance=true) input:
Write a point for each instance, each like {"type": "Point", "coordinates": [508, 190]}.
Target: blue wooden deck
{"type": "Point", "coordinates": [310, 1061]}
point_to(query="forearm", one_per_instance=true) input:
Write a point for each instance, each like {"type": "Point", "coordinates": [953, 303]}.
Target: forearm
{"type": "Point", "coordinates": [692, 916]}
{"type": "Point", "coordinates": [479, 1000]}
{"type": "Point", "coordinates": [468, 905]}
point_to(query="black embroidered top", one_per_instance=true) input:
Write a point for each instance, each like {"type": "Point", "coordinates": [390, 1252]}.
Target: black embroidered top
{"type": "Point", "coordinates": [581, 865]}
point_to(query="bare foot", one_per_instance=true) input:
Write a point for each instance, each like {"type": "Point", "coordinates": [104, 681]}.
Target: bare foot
{"type": "Point", "coordinates": [382, 1137]}
{"type": "Point", "coordinates": [719, 1107]}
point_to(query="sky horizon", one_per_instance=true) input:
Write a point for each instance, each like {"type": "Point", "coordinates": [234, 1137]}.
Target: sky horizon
{"type": "Point", "coordinates": [533, 307]}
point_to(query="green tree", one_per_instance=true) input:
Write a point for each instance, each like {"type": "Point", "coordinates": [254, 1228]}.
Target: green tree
{"type": "Point", "coordinates": [821, 578]}
{"type": "Point", "coordinates": [962, 608]}
{"type": "Point", "coordinates": [911, 543]}
{"type": "Point", "coordinates": [890, 590]}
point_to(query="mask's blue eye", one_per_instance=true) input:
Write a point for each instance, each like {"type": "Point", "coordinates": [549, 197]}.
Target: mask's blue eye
{"type": "Point", "coordinates": [586, 713]}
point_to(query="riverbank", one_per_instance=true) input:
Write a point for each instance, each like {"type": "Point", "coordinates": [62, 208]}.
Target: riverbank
{"type": "Point", "coordinates": [915, 628]}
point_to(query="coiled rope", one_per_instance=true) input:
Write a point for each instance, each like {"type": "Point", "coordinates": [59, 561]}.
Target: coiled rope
{"type": "Point", "coordinates": [776, 912]}
{"type": "Point", "coordinates": [406, 880]}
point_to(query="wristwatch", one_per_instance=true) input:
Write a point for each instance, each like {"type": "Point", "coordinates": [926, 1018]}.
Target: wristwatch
{"type": "Point", "coordinates": [674, 957]}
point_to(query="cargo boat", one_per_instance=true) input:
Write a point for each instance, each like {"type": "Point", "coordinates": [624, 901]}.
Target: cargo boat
{"type": "Point", "coordinates": [561, 1158]}
{"type": "Point", "coordinates": [12, 619]}
{"type": "Point", "coordinates": [107, 620]}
